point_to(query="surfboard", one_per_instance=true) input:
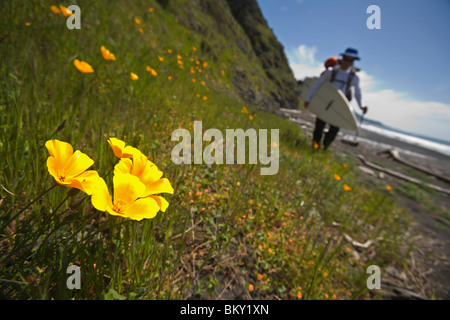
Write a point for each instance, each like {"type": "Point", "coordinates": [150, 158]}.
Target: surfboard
{"type": "Point", "coordinates": [331, 105]}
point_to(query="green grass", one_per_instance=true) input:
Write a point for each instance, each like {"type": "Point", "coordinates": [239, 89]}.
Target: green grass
{"type": "Point", "coordinates": [284, 233]}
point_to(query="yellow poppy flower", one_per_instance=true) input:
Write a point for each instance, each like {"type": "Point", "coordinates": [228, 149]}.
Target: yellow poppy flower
{"type": "Point", "coordinates": [160, 58]}
{"type": "Point", "coordinates": [152, 71]}
{"type": "Point", "coordinates": [388, 187]}
{"type": "Point", "coordinates": [315, 145]}
{"type": "Point", "coordinates": [107, 55]}
{"type": "Point", "coordinates": [134, 76]}
{"type": "Point", "coordinates": [137, 21]}
{"type": "Point", "coordinates": [120, 150]}
{"type": "Point", "coordinates": [66, 12]}
{"type": "Point", "coordinates": [82, 66]}
{"type": "Point", "coordinates": [128, 201]}
{"type": "Point", "coordinates": [55, 10]}
{"type": "Point", "coordinates": [347, 188]}
{"type": "Point", "coordinates": [68, 168]}
{"type": "Point", "coordinates": [147, 172]}
{"type": "Point", "coordinates": [150, 10]}
{"type": "Point", "coordinates": [336, 177]}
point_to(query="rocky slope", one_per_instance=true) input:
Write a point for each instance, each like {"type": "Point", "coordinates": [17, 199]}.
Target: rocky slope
{"type": "Point", "coordinates": [265, 79]}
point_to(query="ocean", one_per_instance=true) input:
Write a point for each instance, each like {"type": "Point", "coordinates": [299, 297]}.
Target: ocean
{"type": "Point", "coordinates": [432, 144]}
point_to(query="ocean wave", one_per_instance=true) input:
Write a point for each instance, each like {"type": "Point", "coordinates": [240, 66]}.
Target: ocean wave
{"type": "Point", "coordinates": [417, 141]}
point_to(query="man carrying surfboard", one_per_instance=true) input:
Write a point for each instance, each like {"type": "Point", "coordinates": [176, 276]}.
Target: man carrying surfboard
{"type": "Point", "coordinates": [343, 77]}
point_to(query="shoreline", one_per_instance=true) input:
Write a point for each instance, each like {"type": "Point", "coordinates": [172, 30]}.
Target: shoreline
{"type": "Point", "coordinates": [419, 153]}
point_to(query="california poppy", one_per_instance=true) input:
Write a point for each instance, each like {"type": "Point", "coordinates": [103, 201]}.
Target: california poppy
{"type": "Point", "coordinates": [68, 168]}
{"type": "Point", "coordinates": [66, 12]}
{"type": "Point", "coordinates": [152, 71]}
{"type": "Point", "coordinates": [147, 172]}
{"type": "Point", "coordinates": [120, 150]}
{"type": "Point", "coordinates": [82, 66]}
{"type": "Point", "coordinates": [134, 76]}
{"type": "Point", "coordinates": [127, 201]}
{"type": "Point", "coordinates": [107, 55]}
{"type": "Point", "coordinates": [55, 10]}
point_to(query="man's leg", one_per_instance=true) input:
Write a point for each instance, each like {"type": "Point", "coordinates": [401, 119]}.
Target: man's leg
{"type": "Point", "coordinates": [329, 137]}
{"type": "Point", "coordinates": [317, 135]}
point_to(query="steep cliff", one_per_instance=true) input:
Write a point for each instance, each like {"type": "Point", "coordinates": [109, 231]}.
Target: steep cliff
{"type": "Point", "coordinates": [261, 74]}
{"type": "Point", "coordinates": [267, 48]}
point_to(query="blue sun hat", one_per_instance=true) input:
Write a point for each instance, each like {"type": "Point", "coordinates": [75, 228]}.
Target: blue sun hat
{"type": "Point", "coordinates": [350, 52]}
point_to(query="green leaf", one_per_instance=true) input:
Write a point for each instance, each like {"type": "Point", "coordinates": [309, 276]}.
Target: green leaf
{"type": "Point", "coordinates": [139, 294]}
{"type": "Point", "coordinates": [113, 295]}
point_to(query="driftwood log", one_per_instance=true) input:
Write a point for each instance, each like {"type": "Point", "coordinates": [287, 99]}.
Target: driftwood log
{"type": "Point", "coordinates": [432, 171]}
{"type": "Point", "coordinates": [401, 175]}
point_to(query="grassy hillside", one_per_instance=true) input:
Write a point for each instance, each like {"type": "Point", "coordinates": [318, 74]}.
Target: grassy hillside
{"type": "Point", "coordinates": [228, 231]}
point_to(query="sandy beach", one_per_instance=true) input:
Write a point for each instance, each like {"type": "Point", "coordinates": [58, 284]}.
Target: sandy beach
{"type": "Point", "coordinates": [430, 232]}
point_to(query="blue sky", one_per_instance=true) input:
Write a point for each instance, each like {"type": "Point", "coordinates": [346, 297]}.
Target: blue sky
{"type": "Point", "coordinates": [405, 65]}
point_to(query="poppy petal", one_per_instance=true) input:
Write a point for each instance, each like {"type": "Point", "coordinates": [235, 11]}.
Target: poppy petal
{"type": "Point", "coordinates": [127, 188]}
{"type": "Point", "coordinates": [160, 186]}
{"type": "Point", "coordinates": [145, 208]}
{"type": "Point", "coordinates": [60, 150]}
{"type": "Point", "coordinates": [124, 166]}
{"type": "Point", "coordinates": [101, 198]}
{"type": "Point", "coordinates": [162, 203]}
{"type": "Point", "coordinates": [76, 164]}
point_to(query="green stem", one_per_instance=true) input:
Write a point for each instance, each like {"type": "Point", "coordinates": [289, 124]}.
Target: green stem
{"type": "Point", "coordinates": [28, 205]}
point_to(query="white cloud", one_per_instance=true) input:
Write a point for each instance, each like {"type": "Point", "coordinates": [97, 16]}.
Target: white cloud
{"type": "Point", "coordinates": [302, 71]}
{"type": "Point", "coordinates": [395, 109]}
{"type": "Point", "coordinates": [303, 62]}
{"type": "Point", "coordinates": [392, 108]}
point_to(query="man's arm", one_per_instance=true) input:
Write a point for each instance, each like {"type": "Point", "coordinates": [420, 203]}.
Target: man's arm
{"type": "Point", "coordinates": [358, 96]}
